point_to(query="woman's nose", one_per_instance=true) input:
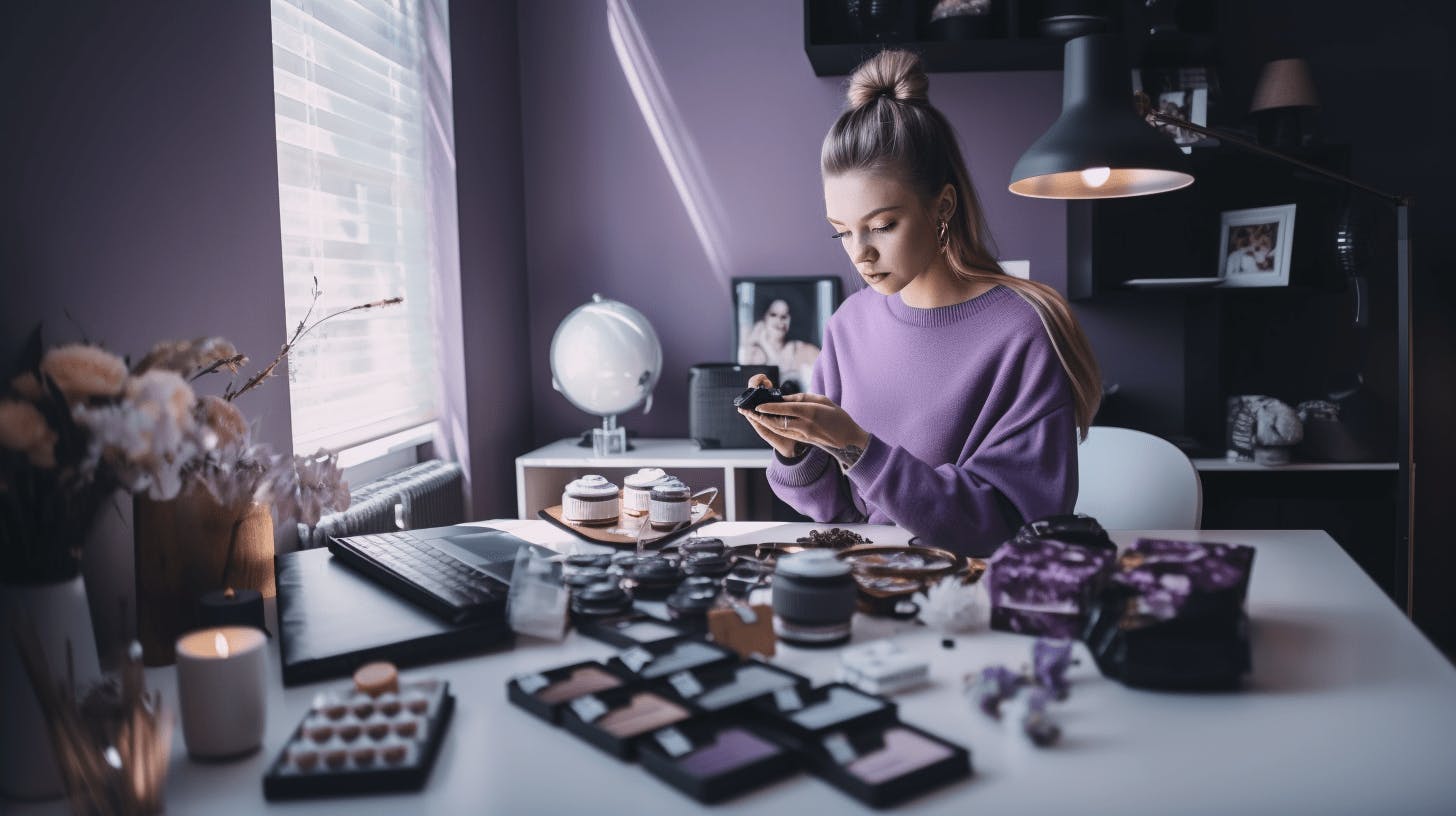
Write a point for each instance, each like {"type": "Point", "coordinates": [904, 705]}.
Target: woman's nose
{"type": "Point", "coordinates": [863, 251]}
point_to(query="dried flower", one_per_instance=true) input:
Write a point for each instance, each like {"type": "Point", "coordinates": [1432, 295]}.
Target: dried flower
{"type": "Point", "coordinates": [224, 420]}
{"type": "Point", "coordinates": [83, 372]}
{"type": "Point", "coordinates": [148, 438]}
{"type": "Point", "coordinates": [315, 485]}
{"type": "Point", "coordinates": [24, 429]}
{"type": "Point", "coordinates": [192, 358]}
{"type": "Point", "coordinates": [238, 477]}
{"type": "Point", "coordinates": [949, 605]}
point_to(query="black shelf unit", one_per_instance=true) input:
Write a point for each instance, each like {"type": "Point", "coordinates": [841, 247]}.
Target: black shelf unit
{"type": "Point", "coordinates": [835, 45]}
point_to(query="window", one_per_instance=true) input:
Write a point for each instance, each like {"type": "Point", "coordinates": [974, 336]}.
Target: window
{"type": "Point", "coordinates": [358, 128]}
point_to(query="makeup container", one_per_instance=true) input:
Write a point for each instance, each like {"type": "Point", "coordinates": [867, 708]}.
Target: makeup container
{"type": "Point", "coordinates": [632, 629]}
{"type": "Point", "coordinates": [702, 546]}
{"type": "Point", "coordinates": [689, 606]}
{"type": "Point", "coordinates": [713, 565]}
{"type": "Point", "coordinates": [579, 561]}
{"type": "Point", "coordinates": [654, 577]}
{"type": "Point", "coordinates": [855, 742]}
{"type": "Point", "coordinates": [585, 577]}
{"type": "Point", "coordinates": [721, 688]}
{"type": "Point", "coordinates": [712, 760]}
{"type": "Point", "coordinates": [545, 693]}
{"type": "Point", "coordinates": [637, 490]}
{"type": "Point", "coordinates": [813, 599]}
{"type": "Point", "coordinates": [613, 719]}
{"type": "Point", "coordinates": [670, 505]}
{"type": "Point", "coordinates": [651, 661]}
{"type": "Point", "coordinates": [351, 742]}
{"type": "Point", "coordinates": [603, 599]}
{"type": "Point", "coordinates": [590, 500]}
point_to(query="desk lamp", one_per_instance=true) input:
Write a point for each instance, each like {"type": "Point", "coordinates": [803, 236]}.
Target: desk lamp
{"type": "Point", "coordinates": [1103, 147]}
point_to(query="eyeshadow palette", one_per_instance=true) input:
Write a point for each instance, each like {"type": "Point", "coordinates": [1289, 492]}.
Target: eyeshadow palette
{"type": "Point", "coordinates": [544, 693]}
{"type": "Point", "coordinates": [613, 719]}
{"type": "Point", "coordinates": [712, 760]}
{"type": "Point", "coordinates": [654, 660]}
{"type": "Point", "coordinates": [886, 763]}
{"type": "Point", "coordinates": [633, 629]}
{"type": "Point", "coordinates": [721, 687]}
{"type": "Point", "coordinates": [836, 705]}
{"type": "Point", "coordinates": [351, 742]}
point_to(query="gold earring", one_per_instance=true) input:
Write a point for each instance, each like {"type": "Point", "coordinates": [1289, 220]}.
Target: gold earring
{"type": "Point", "coordinates": [941, 235]}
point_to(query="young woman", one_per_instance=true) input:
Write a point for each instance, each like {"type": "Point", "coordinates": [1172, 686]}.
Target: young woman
{"type": "Point", "coordinates": [768, 343]}
{"type": "Point", "coordinates": [948, 396]}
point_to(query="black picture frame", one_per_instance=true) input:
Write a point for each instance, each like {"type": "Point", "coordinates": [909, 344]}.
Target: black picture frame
{"type": "Point", "coordinates": [808, 302]}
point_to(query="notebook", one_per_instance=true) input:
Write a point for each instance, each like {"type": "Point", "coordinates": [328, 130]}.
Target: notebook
{"type": "Point", "coordinates": [333, 619]}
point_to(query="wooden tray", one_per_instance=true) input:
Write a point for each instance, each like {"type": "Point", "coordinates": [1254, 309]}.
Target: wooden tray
{"type": "Point", "coordinates": [623, 533]}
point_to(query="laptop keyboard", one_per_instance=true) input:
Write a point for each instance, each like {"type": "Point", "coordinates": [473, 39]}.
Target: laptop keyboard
{"type": "Point", "coordinates": [445, 585]}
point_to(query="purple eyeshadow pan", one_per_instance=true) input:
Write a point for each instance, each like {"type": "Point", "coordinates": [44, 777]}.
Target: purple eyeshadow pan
{"type": "Point", "coordinates": [904, 751]}
{"type": "Point", "coordinates": [733, 749]}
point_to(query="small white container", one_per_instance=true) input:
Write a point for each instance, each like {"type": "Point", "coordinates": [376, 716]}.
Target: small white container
{"type": "Point", "coordinates": [669, 505]}
{"type": "Point", "coordinates": [637, 490]}
{"type": "Point", "coordinates": [590, 500]}
{"type": "Point", "coordinates": [222, 690]}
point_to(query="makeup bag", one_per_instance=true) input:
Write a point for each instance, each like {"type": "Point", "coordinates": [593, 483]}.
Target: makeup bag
{"type": "Point", "coordinates": [1045, 578]}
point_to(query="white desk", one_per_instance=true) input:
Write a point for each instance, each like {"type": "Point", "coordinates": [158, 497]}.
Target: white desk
{"type": "Point", "coordinates": [542, 473]}
{"type": "Point", "coordinates": [1349, 710]}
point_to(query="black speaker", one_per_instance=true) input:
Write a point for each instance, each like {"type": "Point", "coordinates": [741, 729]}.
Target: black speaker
{"type": "Point", "coordinates": [713, 422]}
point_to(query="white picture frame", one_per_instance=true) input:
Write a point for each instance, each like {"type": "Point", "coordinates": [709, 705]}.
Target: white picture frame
{"type": "Point", "coordinates": [1255, 246]}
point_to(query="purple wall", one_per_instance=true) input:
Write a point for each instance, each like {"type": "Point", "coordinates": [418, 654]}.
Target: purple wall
{"type": "Point", "coordinates": [141, 183]}
{"type": "Point", "coordinates": [603, 214]}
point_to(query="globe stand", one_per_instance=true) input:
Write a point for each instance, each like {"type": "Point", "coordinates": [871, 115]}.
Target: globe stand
{"type": "Point", "coordinates": [607, 440]}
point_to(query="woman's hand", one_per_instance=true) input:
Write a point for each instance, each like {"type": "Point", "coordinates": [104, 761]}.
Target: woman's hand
{"type": "Point", "coordinates": [786, 447]}
{"type": "Point", "coordinates": [813, 419]}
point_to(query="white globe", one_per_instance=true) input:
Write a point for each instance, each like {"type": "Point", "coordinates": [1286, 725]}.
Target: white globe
{"type": "Point", "coordinates": [605, 357]}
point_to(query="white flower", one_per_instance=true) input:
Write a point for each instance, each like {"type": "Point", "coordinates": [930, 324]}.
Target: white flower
{"type": "Point", "coordinates": [948, 605]}
{"type": "Point", "coordinates": [148, 437]}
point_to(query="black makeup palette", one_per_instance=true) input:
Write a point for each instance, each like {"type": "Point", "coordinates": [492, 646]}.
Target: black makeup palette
{"type": "Point", "coordinates": [632, 629]}
{"type": "Point", "coordinates": [714, 759]}
{"type": "Point", "coordinates": [721, 687]}
{"type": "Point", "coordinates": [546, 693]}
{"type": "Point", "coordinates": [351, 742]}
{"type": "Point", "coordinates": [885, 763]}
{"type": "Point", "coordinates": [654, 660]}
{"type": "Point", "coordinates": [613, 719]}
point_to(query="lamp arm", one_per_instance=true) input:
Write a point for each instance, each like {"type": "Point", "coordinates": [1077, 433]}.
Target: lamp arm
{"type": "Point", "coordinates": [1159, 118]}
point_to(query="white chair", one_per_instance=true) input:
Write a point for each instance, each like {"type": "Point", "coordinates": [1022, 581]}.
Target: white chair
{"type": "Point", "coordinates": [1131, 480]}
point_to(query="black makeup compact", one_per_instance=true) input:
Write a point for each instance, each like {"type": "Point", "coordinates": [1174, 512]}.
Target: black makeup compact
{"type": "Point", "coordinates": [544, 693]}
{"type": "Point", "coordinates": [578, 561]}
{"type": "Point", "coordinates": [633, 629]}
{"type": "Point", "coordinates": [689, 606]}
{"type": "Point", "coordinates": [701, 546]}
{"type": "Point", "coordinates": [603, 599]}
{"type": "Point", "coordinates": [712, 565]}
{"type": "Point", "coordinates": [713, 759]}
{"type": "Point", "coordinates": [855, 742]}
{"type": "Point", "coordinates": [654, 577]}
{"type": "Point", "coordinates": [718, 688]}
{"type": "Point", "coordinates": [654, 660]}
{"type": "Point", "coordinates": [585, 577]}
{"type": "Point", "coordinates": [613, 719]}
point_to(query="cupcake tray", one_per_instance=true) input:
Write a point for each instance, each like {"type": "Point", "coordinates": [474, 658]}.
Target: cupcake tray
{"type": "Point", "coordinates": [624, 531]}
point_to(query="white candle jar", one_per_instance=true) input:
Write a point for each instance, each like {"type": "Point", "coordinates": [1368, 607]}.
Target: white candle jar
{"type": "Point", "coordinates": [222, 690]}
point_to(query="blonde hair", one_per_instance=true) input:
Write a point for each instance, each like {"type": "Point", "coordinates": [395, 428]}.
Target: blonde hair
{"type": "Point", "coordinates": [890, 126]}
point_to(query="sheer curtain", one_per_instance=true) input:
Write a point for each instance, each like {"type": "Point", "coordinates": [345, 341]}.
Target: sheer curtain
{"type": "Point", "coordinates": [357, 92]}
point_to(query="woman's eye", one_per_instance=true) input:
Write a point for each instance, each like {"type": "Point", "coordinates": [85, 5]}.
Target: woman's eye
{"type": "Point", "coordinates": [839, 236]}
{"type": "Point", "coordinates": [885, 228]}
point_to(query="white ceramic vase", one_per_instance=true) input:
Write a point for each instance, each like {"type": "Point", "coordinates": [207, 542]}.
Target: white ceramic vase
{"type": "Point", "coordinates": [62, 621]}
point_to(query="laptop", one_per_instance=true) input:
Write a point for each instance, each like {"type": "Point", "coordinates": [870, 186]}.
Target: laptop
{"type": "Point", "coordinates": [459, 573]}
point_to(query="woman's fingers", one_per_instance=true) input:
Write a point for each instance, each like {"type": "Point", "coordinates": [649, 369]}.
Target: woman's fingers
{"type": "Point", "coordinates": [760, 381]}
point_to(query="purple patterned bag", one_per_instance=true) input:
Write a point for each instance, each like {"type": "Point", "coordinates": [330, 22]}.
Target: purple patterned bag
{"type": "Point", "coordinates": [1044, 580]}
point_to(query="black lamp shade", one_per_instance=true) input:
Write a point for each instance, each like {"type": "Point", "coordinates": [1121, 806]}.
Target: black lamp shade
{"type": "Point", "coordinates": [1099, 147]}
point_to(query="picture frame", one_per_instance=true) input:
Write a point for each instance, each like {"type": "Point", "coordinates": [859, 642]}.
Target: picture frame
{"type": "Point", "coordinates": [793, 335]}
{"type": "Point", "coordinates": [1255, 246]}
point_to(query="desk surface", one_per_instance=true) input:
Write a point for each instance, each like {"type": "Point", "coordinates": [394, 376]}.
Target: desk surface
{"type": "Point", "coordinates": [1349, 710]}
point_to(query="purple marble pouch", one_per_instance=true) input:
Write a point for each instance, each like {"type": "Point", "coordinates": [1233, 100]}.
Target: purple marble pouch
{"type": "Point", "coordinates": [1045, 586]}
{"type": "Point", "coordinates": [1191, 579]}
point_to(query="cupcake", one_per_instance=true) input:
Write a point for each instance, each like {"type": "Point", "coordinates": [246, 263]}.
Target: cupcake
{"type": "Point", "coordinates": [669, 505]}
{"type": "Point", "coordinates": [590, 500]}
{"type": "Point", "coordinates": [637, 490]}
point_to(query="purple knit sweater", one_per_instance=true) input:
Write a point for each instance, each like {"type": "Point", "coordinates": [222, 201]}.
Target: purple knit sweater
{"type": "Point", "coordinates": [970, 415]}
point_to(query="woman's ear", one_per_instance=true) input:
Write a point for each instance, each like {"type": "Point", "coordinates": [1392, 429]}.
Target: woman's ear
{"type": "Point", "coordinates": [945, 203]}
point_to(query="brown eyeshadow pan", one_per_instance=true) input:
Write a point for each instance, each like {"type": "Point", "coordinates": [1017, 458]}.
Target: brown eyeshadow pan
{"type": "Point", "coordinates": [644, 713]}
{"type": "Point", "coordinates": [904, 751]}
{"type": "Point", "coordinates": [585, 680]}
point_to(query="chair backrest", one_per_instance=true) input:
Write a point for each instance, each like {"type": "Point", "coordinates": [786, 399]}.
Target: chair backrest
{"type": "Point", "coordinates": [1131, 480]}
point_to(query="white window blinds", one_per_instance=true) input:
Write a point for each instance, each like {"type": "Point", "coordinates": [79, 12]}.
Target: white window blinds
{"type": "Point", "coordinates": [352, 107]}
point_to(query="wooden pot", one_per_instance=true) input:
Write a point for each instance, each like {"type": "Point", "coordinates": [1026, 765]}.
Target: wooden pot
{"type": "Point", "coordinates": [182, 552]}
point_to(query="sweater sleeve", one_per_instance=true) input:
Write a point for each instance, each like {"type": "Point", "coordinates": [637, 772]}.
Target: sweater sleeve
{"type": "Point", "coordinates": [1018, 463]}
{"type": "Point", "coordinates": [813, 483]}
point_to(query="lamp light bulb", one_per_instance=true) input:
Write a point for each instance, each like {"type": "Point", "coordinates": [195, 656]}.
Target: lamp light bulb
{"type": "Point", "coordinates": [1096, 176]}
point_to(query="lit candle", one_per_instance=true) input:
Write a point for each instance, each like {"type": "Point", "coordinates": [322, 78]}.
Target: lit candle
{"type": "Point", "coordinates": [221, 688]}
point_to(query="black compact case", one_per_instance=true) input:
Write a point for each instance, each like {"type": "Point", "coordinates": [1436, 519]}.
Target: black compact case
{"type": "Point", "coordinates": [655, 660]}
{"type": "Point", "coordinates": [615, 719]}
{"type": "Point", "coordinates": [855, 742]}
{"type": "Point", "coordinates": [712, 759]}
{"type": "Point", "coordinates": [546, 693]}
{"type": "Point", "coordinates": [351, 743]}
{"type": "Point", "coordinates": [633, 629]}
{"type": "Point", "coordinates": [719, 687]}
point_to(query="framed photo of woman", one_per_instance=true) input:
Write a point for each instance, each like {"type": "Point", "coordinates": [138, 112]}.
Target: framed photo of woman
{"type": "Point", "coordinates": [1254, 246]}
{"type": "Point", "coordinates": [781, 322]}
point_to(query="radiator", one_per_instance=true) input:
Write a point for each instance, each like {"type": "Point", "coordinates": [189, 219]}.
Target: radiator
{"type": "Point", "coordinates": [430, 494]}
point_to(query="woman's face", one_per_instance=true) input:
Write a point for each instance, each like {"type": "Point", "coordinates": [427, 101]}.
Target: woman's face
{"type": "Point", "coordinates": [776, 318]}
{"type": "Point", "coordinates": [886, 230]}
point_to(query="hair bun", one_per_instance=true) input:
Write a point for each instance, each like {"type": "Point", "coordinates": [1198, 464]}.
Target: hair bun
{"type": "Point", "coordinates": [895, 74]}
